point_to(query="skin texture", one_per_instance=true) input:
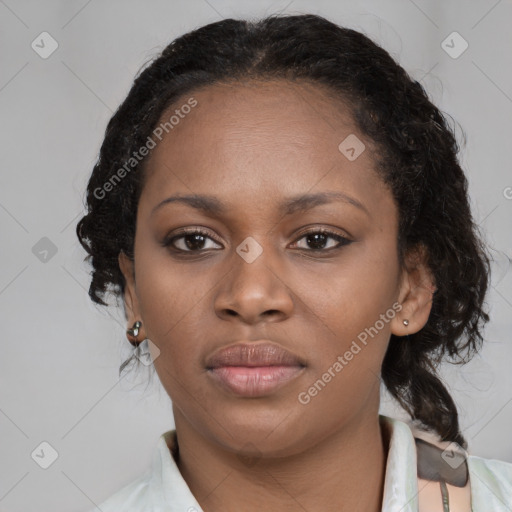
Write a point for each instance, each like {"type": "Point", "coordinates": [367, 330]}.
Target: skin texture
{"type": "Point", "coordinates": [253, 145]}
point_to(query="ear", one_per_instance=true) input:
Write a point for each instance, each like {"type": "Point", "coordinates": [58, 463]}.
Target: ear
{"type": "Point", "coordinates": [131, 302]}
{"type": "Point", "coordinates": [416, 292]}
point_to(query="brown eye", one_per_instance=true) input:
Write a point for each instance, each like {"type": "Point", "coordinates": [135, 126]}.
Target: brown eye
{"type": "Point", "coordinates": [317, 240]}
{"type": "Point", "coordinates": [194, 240]}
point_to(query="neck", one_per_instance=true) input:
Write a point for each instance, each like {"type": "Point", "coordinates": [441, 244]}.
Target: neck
{"type": "Point", "coordinates": [343, 472]}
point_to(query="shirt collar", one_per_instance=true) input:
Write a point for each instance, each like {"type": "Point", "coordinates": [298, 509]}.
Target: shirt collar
{"type": "Point", "coordinates": [401, 481]}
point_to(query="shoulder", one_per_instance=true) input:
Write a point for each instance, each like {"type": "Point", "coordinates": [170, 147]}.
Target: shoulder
{"type": "Point", "coordinates": [491, 479]}
{"type": "Point", "coordinates": [160, 487]}
{"type": "Point", "coordinates": [131, 497]}
{"type": "Point", "coordinates": [489, 482]}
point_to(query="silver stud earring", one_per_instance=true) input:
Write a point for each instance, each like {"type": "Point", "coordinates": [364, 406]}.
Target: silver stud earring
{"type": "Point", "coordinates": [406, 322]}
{"type": "Point", "coordinates": [132, 333]}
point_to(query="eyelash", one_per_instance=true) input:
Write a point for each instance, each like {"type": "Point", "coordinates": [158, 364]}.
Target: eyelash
{"type": "Point", "coordinates": [342, 241]}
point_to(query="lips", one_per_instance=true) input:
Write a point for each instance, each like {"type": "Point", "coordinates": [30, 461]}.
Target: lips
{"type": "Point", "coordinates": [252, 354]}
{"type": "Point", "coordinates": [253, 369]}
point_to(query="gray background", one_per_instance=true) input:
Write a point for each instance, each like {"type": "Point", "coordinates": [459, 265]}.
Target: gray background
{"type": "Point", "coordinates": [60, 354]}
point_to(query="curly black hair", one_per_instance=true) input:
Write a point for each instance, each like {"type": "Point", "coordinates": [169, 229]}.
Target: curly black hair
{"type": "Point", "coordinates": [417, 159]}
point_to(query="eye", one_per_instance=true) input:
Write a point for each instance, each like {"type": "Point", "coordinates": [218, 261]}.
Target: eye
{"type": "Point", "coordinates": [189, 240]}
{"type": "Point", "coordinates": [319, 237]}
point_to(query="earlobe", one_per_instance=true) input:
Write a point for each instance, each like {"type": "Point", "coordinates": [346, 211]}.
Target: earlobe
{"type": "Point", "coordinates": [415, 296]}
{"type": "Point", "coordinates": [131, 302]}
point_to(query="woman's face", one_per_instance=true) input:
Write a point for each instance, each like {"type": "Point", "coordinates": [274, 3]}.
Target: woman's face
{"type": "Point", "coordinates": [252, 151]}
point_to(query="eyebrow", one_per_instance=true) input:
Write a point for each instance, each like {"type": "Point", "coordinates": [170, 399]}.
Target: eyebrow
{"type": "Point", "coordinates": [212, 206]}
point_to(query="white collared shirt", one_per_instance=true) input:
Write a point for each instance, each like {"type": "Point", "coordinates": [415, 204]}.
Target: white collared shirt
{"type": "Point", "coordinates": [162, 488]}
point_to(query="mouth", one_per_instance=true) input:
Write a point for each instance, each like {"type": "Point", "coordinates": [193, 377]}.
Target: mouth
{"type": "Point", "coordinates": [253, 369]}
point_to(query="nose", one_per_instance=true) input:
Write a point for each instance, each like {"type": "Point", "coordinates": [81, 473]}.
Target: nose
{"type": "Point", "coordinates": [254, 292]}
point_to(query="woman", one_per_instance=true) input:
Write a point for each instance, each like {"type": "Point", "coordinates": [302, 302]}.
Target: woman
{"type": "Point", "coordinates": [282, 210]}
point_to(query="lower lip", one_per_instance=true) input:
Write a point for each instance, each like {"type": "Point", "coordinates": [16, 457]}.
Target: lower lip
{"type": "Point", "coordinates": [254, 381]}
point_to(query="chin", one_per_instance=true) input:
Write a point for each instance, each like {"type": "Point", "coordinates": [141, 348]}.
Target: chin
{"type": "Point", "coordinates": [274, 433]}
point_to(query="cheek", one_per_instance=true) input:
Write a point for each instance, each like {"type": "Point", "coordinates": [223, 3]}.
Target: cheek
{"type": "Point", "coordinates": [167, 289]}
{"type": "Point", "coordinates": [351, 297]}
{"type": "Point", "coordinates": [176, 304]}
{"type": "Point", "coordinates": [352, 317]}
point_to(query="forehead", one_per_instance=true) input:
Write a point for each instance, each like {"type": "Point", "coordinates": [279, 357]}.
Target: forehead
{"type": "Point", "coordinates": [265, 114]}
{"type": "Point", "coordinates": [244, 139]}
